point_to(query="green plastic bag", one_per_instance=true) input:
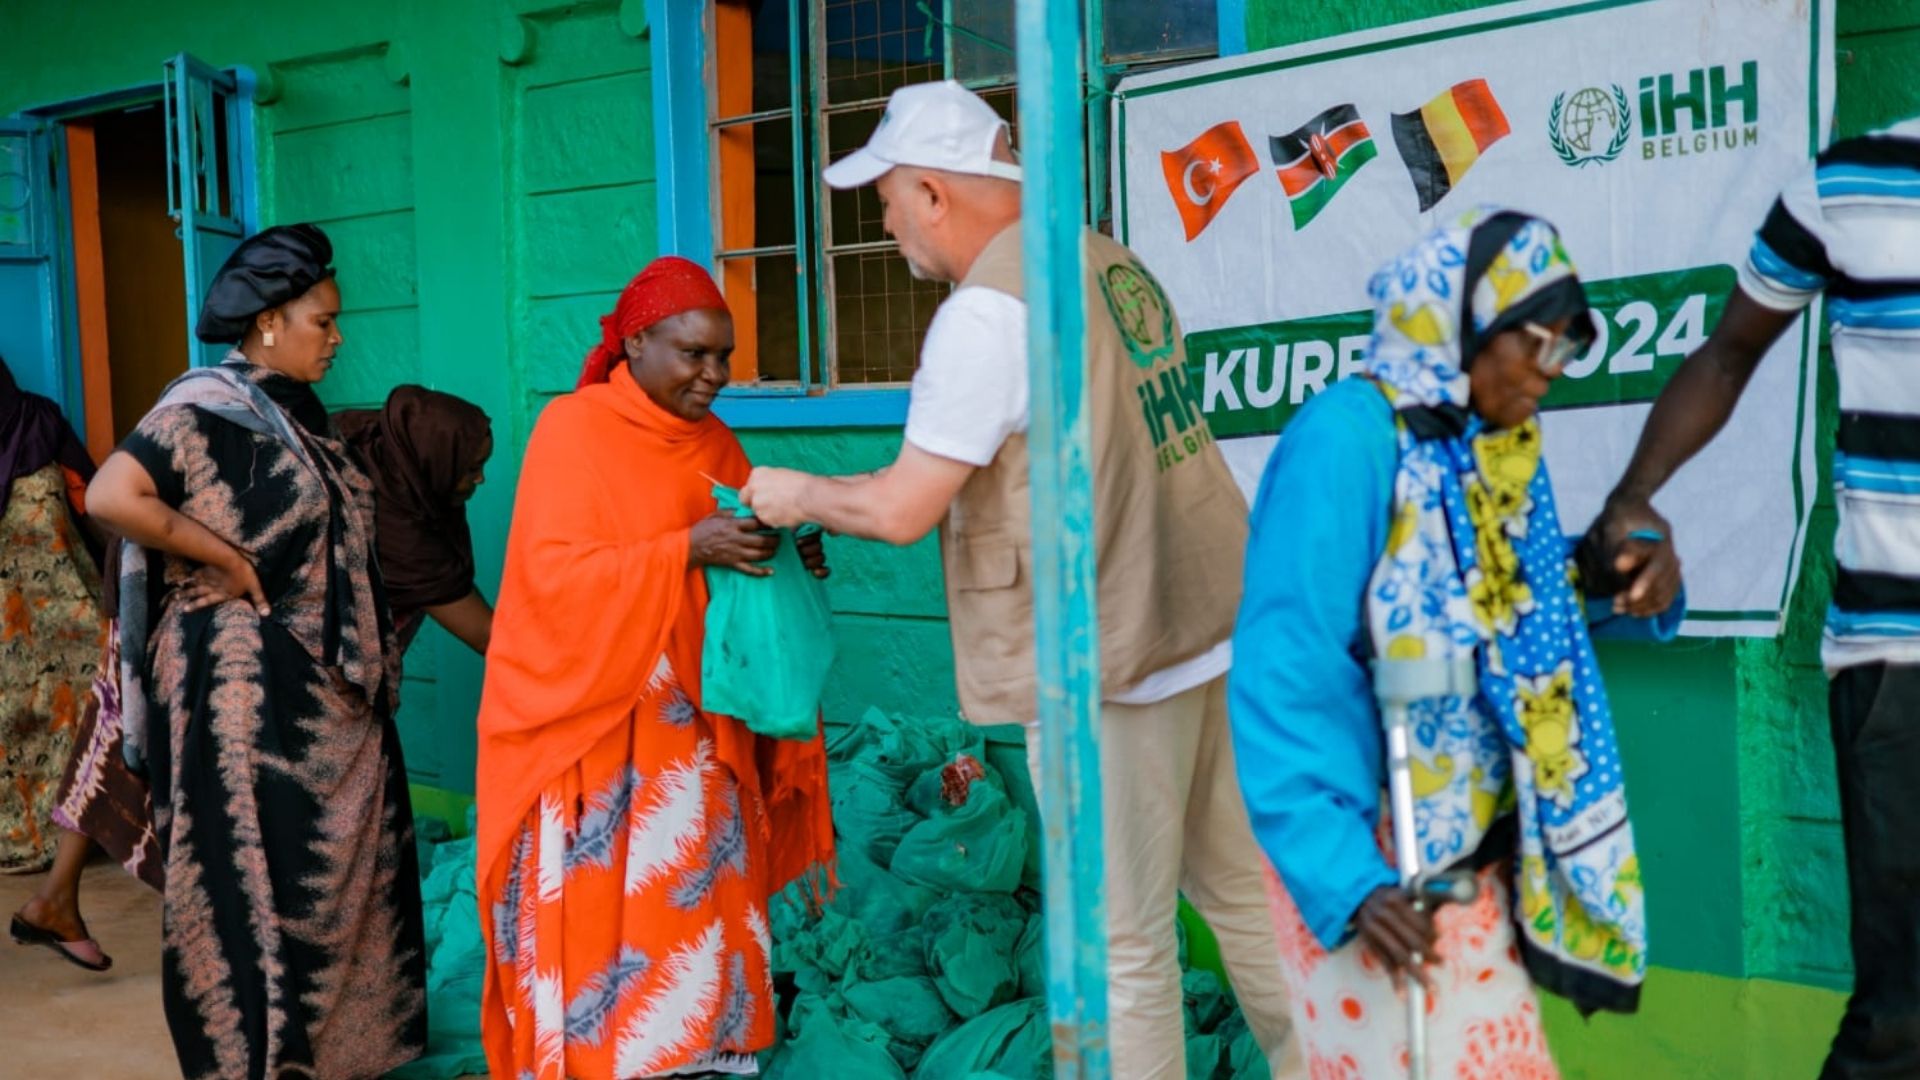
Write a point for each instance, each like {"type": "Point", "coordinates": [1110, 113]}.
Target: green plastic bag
{"type": "Point", "coordinates": [1030, 957]}
{"type": "Point", "coordinates": [978, 846]}
{"type": "Point", "coordinates": [971, 939]}
{"type": "Point", "coordinates": [930, 960]}
{"type": "Point", "coordinates": [769, 640]}
{"type": "Point", "coordinates": [456, 960]}
{"type": "Point", "coordinates": [1012, 1041]}
{"type": "Point", "coordinates": [908, 1007]}
{"type": "Point", "coordinates": [826, 1042]}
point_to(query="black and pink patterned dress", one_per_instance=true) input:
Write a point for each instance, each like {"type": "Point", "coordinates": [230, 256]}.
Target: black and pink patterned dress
{"type": "Point", "coordinates": [292, 923]}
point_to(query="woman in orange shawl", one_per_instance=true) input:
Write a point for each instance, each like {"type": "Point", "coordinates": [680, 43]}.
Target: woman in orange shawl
{"type": "Point", "coordinates": [629, 842]}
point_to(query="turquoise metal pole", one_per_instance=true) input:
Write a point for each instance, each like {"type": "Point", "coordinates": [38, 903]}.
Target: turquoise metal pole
{"type": "Point", "coordinates": [1065, 617]}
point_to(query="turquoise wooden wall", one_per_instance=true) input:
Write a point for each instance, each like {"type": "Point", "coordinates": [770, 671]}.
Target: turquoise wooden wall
{"type": "Point", "coordinates": [487, 171]}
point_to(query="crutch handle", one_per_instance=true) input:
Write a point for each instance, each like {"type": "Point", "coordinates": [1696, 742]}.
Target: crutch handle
{"type": "Point", "coordinates": [1452, 887]}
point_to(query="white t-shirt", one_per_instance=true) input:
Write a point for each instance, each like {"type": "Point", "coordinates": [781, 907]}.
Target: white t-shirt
{"type": "Point", "coordinates": [970, 394]}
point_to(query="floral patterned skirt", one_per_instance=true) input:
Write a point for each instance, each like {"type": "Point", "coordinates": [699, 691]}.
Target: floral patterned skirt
{"type": "Point", "coordinates": [1483, 1022]}
{"type": "Point", "coordinates": [51, 637]}
{"type": "Point", "coordinates": [630, 937]}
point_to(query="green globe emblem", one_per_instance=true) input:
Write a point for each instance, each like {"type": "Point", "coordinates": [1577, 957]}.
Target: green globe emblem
{"type": "Point", "coordinates": [1590, 127]}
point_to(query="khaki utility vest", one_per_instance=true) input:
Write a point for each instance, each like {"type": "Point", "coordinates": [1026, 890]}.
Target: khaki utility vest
{"type": "Point", "coordinates": [1170, 524]}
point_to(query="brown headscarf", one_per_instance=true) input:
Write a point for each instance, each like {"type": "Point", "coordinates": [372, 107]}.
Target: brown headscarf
{"type": "Point", "coordinates": [417, 450]}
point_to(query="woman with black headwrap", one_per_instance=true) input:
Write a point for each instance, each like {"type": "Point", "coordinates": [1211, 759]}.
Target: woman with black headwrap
{"type": "Point", "coordinates": [292, 920]}
{"type": "Point", "coordinates": [426, 453]}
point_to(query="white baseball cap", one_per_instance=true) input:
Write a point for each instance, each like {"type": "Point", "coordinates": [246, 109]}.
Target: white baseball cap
{"type": "Point", "coordinates": [935, 125]}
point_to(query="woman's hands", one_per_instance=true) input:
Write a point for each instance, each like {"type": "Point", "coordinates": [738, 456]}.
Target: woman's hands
{"type": "Point", "coordinates": [124, 498]}
{"type": "Point", "coordinates": [737, 543]}
{"type": "Point", "coordinates": [1395, 931]}
{"type": "Point", "coordinates": [813, 553]}
{"type": "Point", "coordinates": [231, 577]}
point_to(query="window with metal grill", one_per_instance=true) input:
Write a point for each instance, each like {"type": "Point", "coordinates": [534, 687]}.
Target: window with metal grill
{"type": "Point", "coordinates": [820, 294]}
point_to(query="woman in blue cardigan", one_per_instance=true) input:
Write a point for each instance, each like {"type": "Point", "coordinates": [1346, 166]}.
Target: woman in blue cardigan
{"type": "Point", "coordinates": [1409, 514]}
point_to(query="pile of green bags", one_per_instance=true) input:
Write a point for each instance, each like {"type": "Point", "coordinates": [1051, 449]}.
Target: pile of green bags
{"type": "Point", "coordinates": [930, 962]}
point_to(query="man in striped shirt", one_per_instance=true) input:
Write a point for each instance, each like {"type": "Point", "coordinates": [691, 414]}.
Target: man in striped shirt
{"type": "Point", "coordinates": [1848, 227]}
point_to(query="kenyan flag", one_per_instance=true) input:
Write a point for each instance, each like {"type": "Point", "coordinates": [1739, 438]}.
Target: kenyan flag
{"type": "Point", "coordinates": [1315, 160]}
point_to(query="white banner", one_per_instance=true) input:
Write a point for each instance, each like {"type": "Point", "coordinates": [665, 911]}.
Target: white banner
{"type": "Point", "coordinates": [1264, 190]}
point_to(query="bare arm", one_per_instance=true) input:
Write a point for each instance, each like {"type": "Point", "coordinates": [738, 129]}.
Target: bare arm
{"type": "Point", "coordinates": [469, 618]}
{"type": "Point", "coordinates": [122, 495]}
{"type": "Point", "coordinates": [898, 505]}
{"type": "Point", "coordinates": [1701, 396]}
{"type": "Point", "coordinates": [1691, 410]}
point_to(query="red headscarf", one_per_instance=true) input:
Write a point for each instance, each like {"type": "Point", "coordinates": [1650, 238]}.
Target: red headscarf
{"type": "Point", "coordinates": [669, 286]}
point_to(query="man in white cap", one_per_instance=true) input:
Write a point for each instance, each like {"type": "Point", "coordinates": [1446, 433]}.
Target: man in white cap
{"type": "Point", "coordinates": [1170, 536]}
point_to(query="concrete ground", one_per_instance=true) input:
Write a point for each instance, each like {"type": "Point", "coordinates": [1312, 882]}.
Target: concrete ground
{"type": "Point", "coordinates": [59, 1021]}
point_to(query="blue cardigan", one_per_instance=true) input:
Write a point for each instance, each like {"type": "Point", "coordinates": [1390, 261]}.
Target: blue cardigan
{"type": "Point", "coordinates": [1306, 729]}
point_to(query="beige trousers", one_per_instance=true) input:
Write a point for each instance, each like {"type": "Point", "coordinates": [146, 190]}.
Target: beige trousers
{"type": "Point", "coordinates": [1175, 823]}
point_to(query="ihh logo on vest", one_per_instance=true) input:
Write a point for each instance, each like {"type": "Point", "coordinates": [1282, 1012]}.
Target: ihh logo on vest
{"type": "Point", "coordinates": [1169, 402]}
{"type": "Point", "coordinates": [1140, 310]}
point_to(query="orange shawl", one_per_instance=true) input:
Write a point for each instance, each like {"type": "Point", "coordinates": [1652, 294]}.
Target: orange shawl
{"type": "Point", "coordinates": [596, 588]}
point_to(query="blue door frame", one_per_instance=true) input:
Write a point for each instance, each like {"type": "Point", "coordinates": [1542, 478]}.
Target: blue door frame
{"type": "Point", "coordinates": [33, 307]}
{"type": "Point", "coordinates": [208, 197]}
{"type": "Point", "coordinates": [39, 329]}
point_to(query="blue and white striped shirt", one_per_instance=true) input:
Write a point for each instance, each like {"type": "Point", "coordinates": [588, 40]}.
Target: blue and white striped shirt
{"type": "Point", "coordinates": [1850, 227]}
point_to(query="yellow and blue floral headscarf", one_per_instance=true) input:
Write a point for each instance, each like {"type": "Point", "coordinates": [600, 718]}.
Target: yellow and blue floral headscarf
{"type": "Point", "coordinates": [1476, 562]}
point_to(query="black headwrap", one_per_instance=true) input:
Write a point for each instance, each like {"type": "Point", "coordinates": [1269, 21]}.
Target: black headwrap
{"type": "Point", "coordinates": [268, 269]}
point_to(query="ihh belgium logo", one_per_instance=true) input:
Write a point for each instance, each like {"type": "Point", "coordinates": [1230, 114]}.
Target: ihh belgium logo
{"type": "Point", "coordinates": [1591, 128]}
{"type": "Point", "coordinates": [1695, 112]}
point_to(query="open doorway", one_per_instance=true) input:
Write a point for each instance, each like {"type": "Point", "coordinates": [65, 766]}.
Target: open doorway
{"type": "Point", "coordinates": [115, 211]}
{"type": "Point", "coordinates": [128, 286]}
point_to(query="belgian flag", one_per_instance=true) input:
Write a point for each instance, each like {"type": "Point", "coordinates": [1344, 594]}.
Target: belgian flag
{"type": "Point", "coordinates": [1443, 140]}
{"type": "Point", "coordinates": [1317, 159]}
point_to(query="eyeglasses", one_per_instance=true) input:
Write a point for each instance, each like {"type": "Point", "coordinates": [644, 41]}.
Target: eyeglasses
{"type": "Point", "coordinates": [1556, 350]}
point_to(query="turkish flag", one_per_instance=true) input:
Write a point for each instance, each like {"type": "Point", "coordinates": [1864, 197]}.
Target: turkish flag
{"type": "Point", "coordinates": [1202, 174]}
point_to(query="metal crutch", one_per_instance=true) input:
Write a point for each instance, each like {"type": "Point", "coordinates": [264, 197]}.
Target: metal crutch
{"type": "Point", "coordinates": [1398, 684]}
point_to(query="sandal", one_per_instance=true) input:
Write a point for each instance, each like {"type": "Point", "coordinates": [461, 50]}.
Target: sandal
{"type": "Point", "coordinates": [84, 953]}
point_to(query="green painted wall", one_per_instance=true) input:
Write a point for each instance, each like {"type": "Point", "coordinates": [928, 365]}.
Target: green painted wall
{"type": "Point", "coordinates": [485, 168]}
